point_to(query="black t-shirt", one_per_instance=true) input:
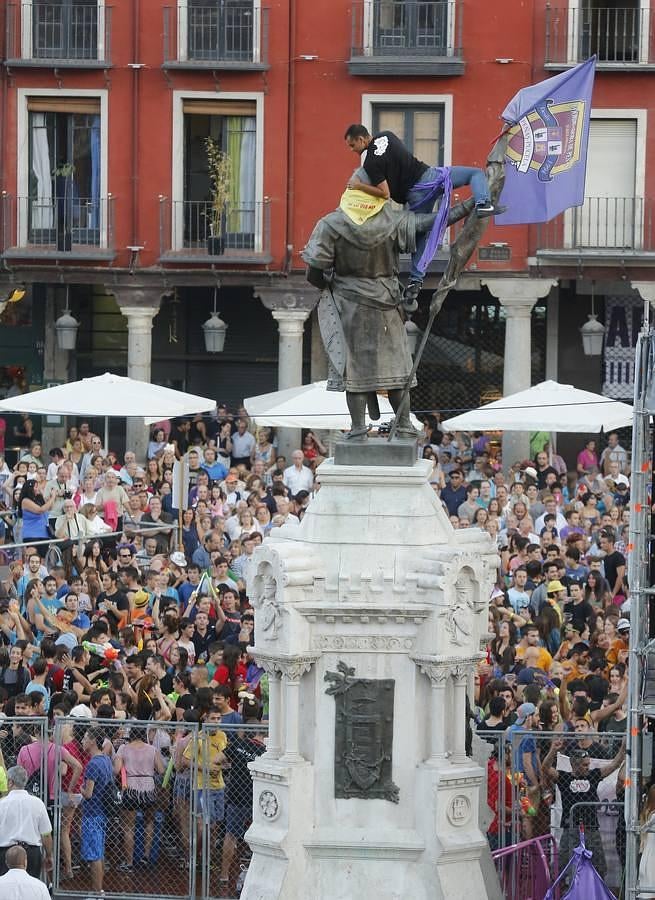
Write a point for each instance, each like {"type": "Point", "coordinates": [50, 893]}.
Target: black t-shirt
{"type": "Point", "coordinates": [579, 790]}
{"type": "Point", "coordinates": [542, 475]}
{"type": "Point", "coordinates": [387, 159]}
{"type": "Point", "coordinates": [612, 563]}
{"type": "Point", "coordinates": [580, 613]}
{"type": "Point", "coordinates": [240, 751]}
{"type": "Point", "coordinates": [202, 643]}
{"type": "Point", "coordinates": [119, 599]}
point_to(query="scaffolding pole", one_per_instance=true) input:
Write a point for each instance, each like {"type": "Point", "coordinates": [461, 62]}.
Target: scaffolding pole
{"type": "Point", "coordinates": [638, 577]}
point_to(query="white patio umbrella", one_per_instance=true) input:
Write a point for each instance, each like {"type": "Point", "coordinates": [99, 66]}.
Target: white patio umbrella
{"type": "Point", "coordinates": [110, 396]}
{"type": "Point", "coordinates": [309, 406]}
{"type": "Point", "coordinates": [548, 406]}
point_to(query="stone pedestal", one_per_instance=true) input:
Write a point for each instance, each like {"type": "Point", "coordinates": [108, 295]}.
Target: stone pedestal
{"type": "Point", "coordinates": [368, 619]}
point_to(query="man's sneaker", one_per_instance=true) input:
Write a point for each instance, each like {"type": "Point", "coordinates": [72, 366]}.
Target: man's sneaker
{"type": "Point", "coordinates": [486, 209]}
{"type": "Point", "coordinates": [410, 295]}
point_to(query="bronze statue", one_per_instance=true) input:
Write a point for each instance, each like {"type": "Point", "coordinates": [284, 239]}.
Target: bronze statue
{"type": "Point", "coordinates": [353, 256]}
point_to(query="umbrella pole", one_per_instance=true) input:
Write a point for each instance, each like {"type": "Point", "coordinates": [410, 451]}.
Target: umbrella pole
{"type": "Point", "coordinates": [106, 444]}
{"type": "Point", "coordinates": [181, 505]}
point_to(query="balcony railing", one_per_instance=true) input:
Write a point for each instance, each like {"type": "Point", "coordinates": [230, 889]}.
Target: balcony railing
{"type": "Point", "coordinates": [58, 34]}
{"type": "Point", "coordinates": [186, 232]}
{"type": "Point", "coordinates": [620, 38]}
{"type": "Point", "coordinates": [58, 226]}
{"type": "Point", "coordinates": [407, 37]}
{"type": "Point", "coordinates": [218, 35]}
{"type": "Point", "coordinates": [604, 226]}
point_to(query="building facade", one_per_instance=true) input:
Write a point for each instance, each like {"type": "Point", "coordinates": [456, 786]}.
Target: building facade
{"type": "Point", "coordinates": [106, 107]}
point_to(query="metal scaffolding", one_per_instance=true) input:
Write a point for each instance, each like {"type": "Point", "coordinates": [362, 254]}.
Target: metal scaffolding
{"type": "Point", "coordinates": [642, 630]}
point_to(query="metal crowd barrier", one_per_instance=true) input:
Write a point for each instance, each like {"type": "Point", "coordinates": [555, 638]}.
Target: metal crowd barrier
{"type": "Point", "coordinates": [176, 834]}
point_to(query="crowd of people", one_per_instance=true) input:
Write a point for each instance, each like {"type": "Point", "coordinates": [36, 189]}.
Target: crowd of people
{"type": "Point", "coordinates": [141, 614]}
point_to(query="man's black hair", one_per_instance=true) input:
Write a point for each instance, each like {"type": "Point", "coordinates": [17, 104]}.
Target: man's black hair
{"type": "Point", "coordinates": [356, 131]}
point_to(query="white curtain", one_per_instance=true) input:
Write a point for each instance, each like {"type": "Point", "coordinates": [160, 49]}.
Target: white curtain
{"type": "Point", "coordinates": [42, 210]}
{"type": "Point", "coordinates": [247, 177]}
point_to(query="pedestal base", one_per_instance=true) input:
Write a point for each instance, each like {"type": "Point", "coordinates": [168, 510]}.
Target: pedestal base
{"type": "Point", "coordinates": [375, 452]}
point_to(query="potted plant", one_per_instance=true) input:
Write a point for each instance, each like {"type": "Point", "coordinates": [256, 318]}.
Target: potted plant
{"type": "Point", "coordinates": [220, 171]}
{"type": "Point", "coordinates": [63, 175]}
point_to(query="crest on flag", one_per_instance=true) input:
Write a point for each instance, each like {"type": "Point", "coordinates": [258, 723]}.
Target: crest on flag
{"type": "Point", "coordinates": [546, 153]}
{"type": "Point", "coordinates": [548, 140]}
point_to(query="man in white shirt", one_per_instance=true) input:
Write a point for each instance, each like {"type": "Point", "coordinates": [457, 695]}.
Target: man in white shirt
{"type": "Point", "coordinates": [551, 509]}
{"type": "Point", "coordinates": [298, 477]}
{"type": "Point", "coordinates": [243, 445]}
{"type": "Point", "coordinates": [17, 884]}
{"type": "Point", "coordinates": [24, 820]}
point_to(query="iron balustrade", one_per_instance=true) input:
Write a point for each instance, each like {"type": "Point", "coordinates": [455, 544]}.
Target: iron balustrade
{"type": "Point", "coordinates": [187, 229]}
{"type": "Point", "coordinates": [407, 27]}
{"type": "Point", "coordinates": [622, 36]}
{"type": "Point", "coordinates": [221, 34]}
{"type": "Point", "coordinates": [69, 34]}
{"type": "Point", "coordinates": [602, 224]}
{"type": "Point", "coordinates": [58, 224]}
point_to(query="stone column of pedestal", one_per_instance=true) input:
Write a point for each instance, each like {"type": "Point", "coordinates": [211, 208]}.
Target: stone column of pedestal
{"type": "Point", "coordinates": [293, 668]}
{"type": "Point", "coordinates": [274, 742]}
{"type": "Point", "coordinates": [518, 296]}
{"type": "Point", "coordinates": [438, 675]}
{"type": "Point", "coordinates": [459, 681]}
{"type": "Point", "coordinates": [139, 306]}
{"type": "Point", "coordinates": [290, 307]}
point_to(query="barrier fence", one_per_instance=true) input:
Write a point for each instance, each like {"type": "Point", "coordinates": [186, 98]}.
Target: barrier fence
{"type": "Point", "coordinates": [536, 823]}
{"type": "Point", "coordinates": [169, 810]}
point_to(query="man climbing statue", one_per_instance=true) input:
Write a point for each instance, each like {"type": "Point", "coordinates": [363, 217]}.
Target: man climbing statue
{"type": "Point", "coordinates": [393, 172]}
{"type": "Point", "coordinates": [353, 257]}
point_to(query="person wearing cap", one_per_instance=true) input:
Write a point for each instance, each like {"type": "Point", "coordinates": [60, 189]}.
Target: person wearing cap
{"type": "Point", "coordinates": [580, 800]}
{"type": "Point", "coordinates": [455, 493]}
{"type": "Point", "coordinates": [619, 647]}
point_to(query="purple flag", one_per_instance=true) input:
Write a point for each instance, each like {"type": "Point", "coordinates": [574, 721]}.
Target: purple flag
{"type": "Point", "coordinates": [546, 155]}
{"type": "Point", "coordinates": [586, 883]}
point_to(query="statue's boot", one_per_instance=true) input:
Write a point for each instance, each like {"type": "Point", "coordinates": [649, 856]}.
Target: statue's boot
{"type": "Point", "coordinates": [357, 408]}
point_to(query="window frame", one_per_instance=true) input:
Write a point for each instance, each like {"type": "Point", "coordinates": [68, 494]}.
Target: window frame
{"type": "Point", "coordinates": [409, 110]}
{"type": "Point", "coordinates": [414, 101]}
{"type": "Point", "coordinates": [24, 156]}
{"type": "Point", "coordinates": [27, 36]}
{"type": "Point", "coordinates": [573, 54]}
{"type": "Point", "coordinates": [177, 157]}
{"type": "Point", "coordinates": [183, 32]}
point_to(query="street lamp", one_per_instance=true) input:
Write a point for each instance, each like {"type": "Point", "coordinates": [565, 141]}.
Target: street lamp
{"type": "Point", "coordinates": [215, 330]}
{"type": "Point", "coordinates": [593, 332]}
{"type": "Point", "coordinates": [66, 328]}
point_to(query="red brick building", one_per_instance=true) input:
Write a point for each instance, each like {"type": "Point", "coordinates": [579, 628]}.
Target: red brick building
{"type": "Point", "coordinates": [105, 107]}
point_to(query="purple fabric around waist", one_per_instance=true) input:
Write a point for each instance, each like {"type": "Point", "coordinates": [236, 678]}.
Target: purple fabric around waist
{"type": "Point", "coordinates": [430, 189]}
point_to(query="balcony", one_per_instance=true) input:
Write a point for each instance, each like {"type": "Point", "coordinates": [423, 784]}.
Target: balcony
{"type": "Point", "coordinates": [58, 35]}
{"type": "Point", "coordinates": [407, 37]}
{"type": "Point", "coordinates": [622, 39]}
{"type": "Point", "coordinates": [220, 35]}
{"type": "Point", "coordinates": [185, 233]}
{"type": "Point", "coordinates": [58, 228]}
{"type": "Point", "coordinates": [604, 230]}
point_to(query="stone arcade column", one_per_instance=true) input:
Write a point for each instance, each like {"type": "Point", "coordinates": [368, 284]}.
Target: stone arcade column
{"type": "Point", "coordinates": [372, 610]}
{"type": "Point", "coordinates": [518, 296]}
{"type": "Point", "coordinates": [139, 305]}
{"type": "Point", "coordinates": [290, 306]}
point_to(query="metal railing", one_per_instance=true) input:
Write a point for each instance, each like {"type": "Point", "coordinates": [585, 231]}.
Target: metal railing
{"type": "Point", "coordinates": [187, 229]}
{"type": "Point", "coordinates": [58, 224]}
{"type": "Point", "coordinates": [221, 33]}
{"type": "Point", "coordinates": [58, 33]}
{"type": "Point", "coordinates": [431, 28]}
{"type": "Point", "coordinates": [527, 869]}
{"type": "Point", "coordinates": [617, 36]}
{"type": "Point", "coordinates": [186, 818]}
{"type": "Point", "coordinates": [602, 223]}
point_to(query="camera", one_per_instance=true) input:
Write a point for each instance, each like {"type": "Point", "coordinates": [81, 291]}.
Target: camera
{"type": "Point", "coordinates": [67, 494]}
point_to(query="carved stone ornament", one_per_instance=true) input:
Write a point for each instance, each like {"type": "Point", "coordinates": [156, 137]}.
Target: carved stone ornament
{"type": "Point", "coordinates": [459, 810]}
{"type": "Point", "coordinates": [269, 805]}
{"type": "Point", "coordinates": [372, 642]}
{"type": "Point", "coordinates": [363, 735]}
{"type": "Point", "coordinates": [459, 616]}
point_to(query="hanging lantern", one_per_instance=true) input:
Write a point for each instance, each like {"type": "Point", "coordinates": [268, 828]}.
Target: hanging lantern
{"type": "Point", "coordinates": [215, 330]}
